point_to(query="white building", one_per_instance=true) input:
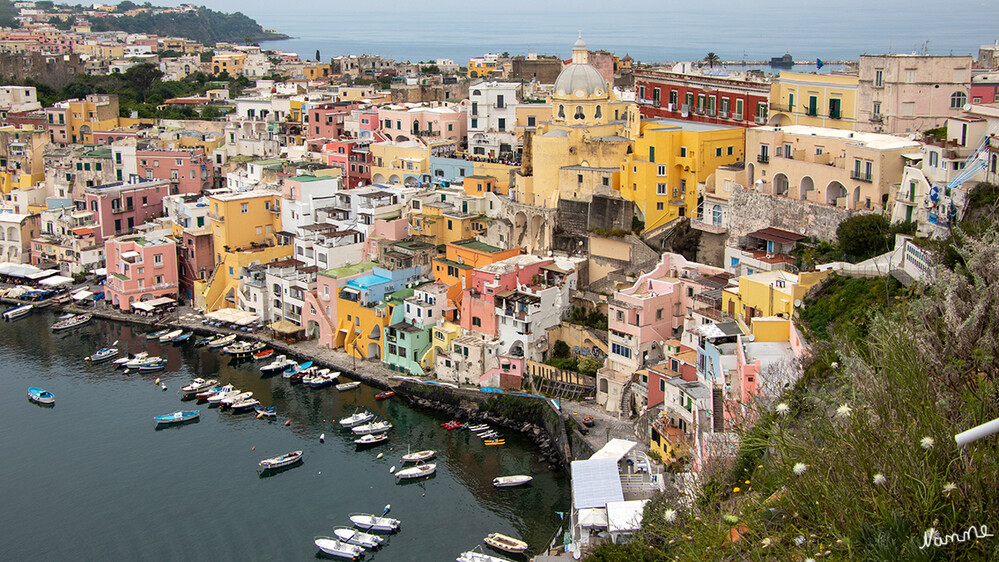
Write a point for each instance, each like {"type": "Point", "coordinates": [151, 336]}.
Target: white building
{"type": "Point", "coordinates": [427, 305]}
{"type": "Point", "coordinates": [492, 118]}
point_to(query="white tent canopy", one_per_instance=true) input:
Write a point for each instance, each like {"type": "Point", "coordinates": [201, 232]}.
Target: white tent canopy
{"type": "Point", "coordinates": [233, 316]}
{"type": "Point", "coordinates": [56, 281]}
{"type": "Point", "coordinates": [41, 274]}
{"type": "Point", "coordinates": [615, 449]}
{"type": "Point", "coordinates": [592, 517]}
{"type": "Point", "coordinates": [82, 294]}
{"type": "Point", "coordinates": [162, 301]}
{"type": "Point", "coordinates": [17, 269]}
{"type": "Point", "coordinates": [626, 516]}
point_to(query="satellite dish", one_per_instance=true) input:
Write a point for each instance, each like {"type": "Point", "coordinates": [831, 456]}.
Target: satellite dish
{"type": "Point", "coordinates": [797, 303]}
{"type": "Point", "coordinates": [966, 107]}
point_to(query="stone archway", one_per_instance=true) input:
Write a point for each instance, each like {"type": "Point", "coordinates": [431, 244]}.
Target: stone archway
{"type": "Point", "coordinates": [750, 174]}
{"type": "Point", "coordinates": [835, 191]}
{"type": "Point", "coordinates": [378, 178]}
{"type": "Point", "coordinates": [537, 237]}
{"type": "Point", "coordinates": [374, 351]}
{"type": "Point", "coordinates": [519, 228]}
{"type": "Point", "coordinates": [781, 185]}
{"type": "Point", "coordinates": [806, 186]}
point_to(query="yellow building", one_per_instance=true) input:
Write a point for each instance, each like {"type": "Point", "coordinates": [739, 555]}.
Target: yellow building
{"type": "Point", "coordinates": [232, 63]}
{"type": "Point", "coordinates": [441, 223]}
{"type": "Point", "coordinates": [96, 112]}
{"type": "Point", "coordinates": [360, 327]}
{"type": "Point", "coordinates": [764, 302]}
{"type": "Point", "coordinates": [578, 151]}
{"type": "Point", "coordinates": [398, 163]}
{"type": "Point", "coordinates": [21, 157]}
{"type": "Point", "coordinates": [440, 340]}
{"type": "Point", "coordinates": [528, 116]}
{"type": "Point", "coordinates": [244, 229]}
{"type": "Point", "coordinates": [481, 67]}
{"type": "Point", "coordinates": [817, 100]}
{"type": "Point", "coordinates": [670, 159]}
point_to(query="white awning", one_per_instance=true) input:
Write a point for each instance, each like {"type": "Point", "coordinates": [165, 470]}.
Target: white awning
{"type": "Point", "coordinates": [614, 449]}
{"type": "Point", "coordinates": [592, 517]}
{"type": "Point", "coordinates": [101, 271]}
{"type": "Point", "coordinates": [625, 517]}
{"type": "Point", "coordinates": [56, 281]}
{"type": "Point", "coordinates": [129, 255]}
{"type": "Point", "coordinates": [42, 274]}
{"type": "Point", "coordinates": [595, 483]}
{"type": "Point", "coordinates": [162, 301]}
{"type": "Point", "coordinates": [139, 305]}
{"type": "Point", "coordinates": [233, 316]}
{"type": "Point", "coordinates": [82, 295]}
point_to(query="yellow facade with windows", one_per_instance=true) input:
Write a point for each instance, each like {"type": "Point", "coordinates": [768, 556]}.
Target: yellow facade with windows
{"type": "Point", "coordinates": [231, 63]}
{"type": "Point", "coordinates": [440, 341]}
{"type": "Point", "coordinates": [96, 112]}
{"type": "Point", "coordinates": [671, 157]}
{"type": "Point", "coordinates": [395, 162]}
{"type": "Point", "coordinates": [816, 100]}
{"type": "Point", "coordinates": [440, 223]}
{"type": "Point", "coordinates": [765, 301]}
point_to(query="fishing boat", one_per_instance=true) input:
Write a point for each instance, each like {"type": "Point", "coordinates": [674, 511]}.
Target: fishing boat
{"type": "Point", "coordinates": [40, 396]}
{"type": "Point", "coordinates": [152, 367]}
{"type": "Point", "coordinates": [145, 359]}
{"type": "Point", "coordinates": [295, 368]}
{"type": "Point", "coordinates": [306, 376]}
{"type": "Point", "coordinates": [348, 386]}
{"type": "Point", "coordinates": [204, 341]}
{"type": "Point", "coordinates": [286, 459]}
{"type": "Point", "coordinates": [417, 471]}
{"type": "Point", "coordinates": [264, 354]}
{"type": "Point", "coordinates": [183, 337]}
{"type": "Point", "coordinates": [477, 556]}
{"type": "Point", "coordinates": [221, 341]}
{"type": "Point", "coordinates": [207, 393]}
{"type": "Point", "coordinates": [323, 379]}
{"type": "Point", "coordinates": [269, 412]}
{"type": "Point", "coordinates": [509, 481]}
{"type": "Point", "coordinates": [370, 522]}
{"type": "Point", "coordinates": [169, 336]}
{"type": "Point", "coordinates": [216, 399]}
{"type": "Point", "coordinates": [157, 334]}
{"type": "Point", "coordinates": [371, 439]}
{"type": "Point", "coordinates": [505, 543]}
{"type": "Point", "coordinates": [177, 417]}
{"type": "Point", "coordinates": [197, 385]}
{"type": "Point", "coordinates": [122, 362]}
{"type": "Point", "coordinates": [495, 442]}
{"type": "Point", "coordinates": [243, 348]}
{"type": "Point", "coordinates": [18, 311]}
{"type": "Point", "coordinates": [232, 399]}
{"type": "Point", "coordinates": [335, 547]}
{"type": "Point", "coordinates": [419, 456]}
{"type": "Point", "coordinates": [103, 354]}
{"type": "Point", "coordinates": [357, 418]}
{"type": "Point", "coordinates": [245, 404]}
{"type": "Point", "coordinates": [373, 427]}
{"type": "Point", "coordinates": [279, 364]}
{"type": "Point", "coordinates": [355, 537]}
{"type": "Point", "coordinates": [73, 321]}
{"type": "Point", "coordinates": [384, 395]}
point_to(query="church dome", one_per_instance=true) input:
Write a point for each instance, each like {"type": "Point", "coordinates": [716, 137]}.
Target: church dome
{"type": "Point", "coordinates": [580, 81]}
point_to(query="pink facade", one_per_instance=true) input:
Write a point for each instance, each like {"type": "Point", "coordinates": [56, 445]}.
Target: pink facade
{"type": "Point", "coordinates": [326, 121]}
{"type": "Point", "coordinates": [353, 158]}
{"type": "Point", "coordinates": [196, 260]}
{"type": "Point", "coordinates": [510, 373]}
{"type": "Point", "coordinates": [190, 168]}
{"type": "Point", "coordinates": [430, 122]}
{"type": "Point", "coordinates": [478, 302]}
{"type": "Point", "coordinates": [120, 207]}
{"type": "Point", "coordinates": [382, 229]}
{"type": "Point", "coordinates": [139, 270]}
{"type": "Point", "coordinates": [108, 137]}
{"type": "Point", "coordinates": [319, 315]}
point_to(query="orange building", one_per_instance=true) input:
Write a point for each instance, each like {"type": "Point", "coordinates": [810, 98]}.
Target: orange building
{"type": "Point", "coordinates": [455, 268]}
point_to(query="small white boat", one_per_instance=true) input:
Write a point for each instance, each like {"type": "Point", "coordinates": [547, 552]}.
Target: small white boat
{"type": "Point", "coordinates": [419, 456]}
{"type": "Point", "coordinates": [221, 341]}
{"type": "Point", "coordinates": [370, 522]}
{"type": "Point", "coordinates": [371, 439]}
{"type": "Point", "coordinates": [230, 400]}
{"type": "Point", "coordinates": [245, 404]}
{"type": "Point", "coordinates": [281, 461]}
{"type": "Point", "coordinates": [355, 537]}
{"type": "Point", "coordinates": [279, 363]}
{"type": "Point", "coordinates": [417, 471]}
{"type": "Point", "coordinates": [197, 385]}
{"type": "Point", "coordinates": [72, 321]}
{"type": "Point", "coordinates": [505, 543]}
{"type": "Point", "coordinates": [478, 556]}
{"type": "Point", "coordinates": [18, 311]}
{"type": "Point", "coordinates": [334, 547]}
{"type": "Point", "coordinates": [207, 393]}
{"type": "Point", "coordinates": [103, 354]}
{"type": "Point", "coordinates": [139, 362]}
{"type": "Point", "coordinates": [357, 418]}
{"type": "Point", "coordinates": [170, 335]}
{"type": "Point", "coordinates": [218, 397]}
{"type": "Point", "coordinates": [508, 481]}
{"type": "Point", "coordinates": [123, 361]}
{"type": "Point", "coordinates": [348, 386]}
{"type": "Point", "coordinates": [373, 427]}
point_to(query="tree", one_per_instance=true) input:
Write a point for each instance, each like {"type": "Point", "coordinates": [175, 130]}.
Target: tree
{"type": "Point", "coordinates": [141, 77]}
{"type": "Point", "coordinates": [589, 366]}
{"type": "Point", "coordinates": [863, 236]}
{"type": "Point", "coordinates": [712, 59]}
{"type": "Point", "coordinates": [317, 55]}
{"type": "Point", "coordinates": [560, 349]}
{"type": "Point", "coordinates": [123, 6]}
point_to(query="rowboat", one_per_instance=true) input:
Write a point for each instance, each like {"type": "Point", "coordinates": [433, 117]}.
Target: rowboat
{"type": "Point", "coordinates": [370, 522]}
{"type": "Point", "coordinates": [373, 427]}
{"type": "Point", "coordinates": [357, 418]}
{"type": "Point", "coordinates": [417, 471]}
{"type": "Point", "coordinates": [183, 337]}
{"type": "Point", "coordinates": [263, 354]}
{"type": "Point", "coordinates": [197, 385]}
{"type": "Point", "coordinates": [384, 395]}
{"type": "Point", "coordinates": [505, 543]}
{"type": "Point", "coordinates": [494, 442]}
{"type": "Point", "coordinates": [348, 386]}
{"type": "Point", "coordinates": [419, 456]}
{"type": "Point", "coordinates": [177, 417]}
{"type": "Point", "coordinates": [221, 341]}
{"type": "Point", "coordinates": [103, 354]}
{"type": "Point", "coordinates": [280, 461]}
{"type": "Point", "coordinates": [18, 311]}
{"type": "Point", "coordinates": [40, 396]}
{"type": "Point", "coordinates": [478, 556]}
{"type": "Point", "coordinates": [152, 367]}
{"type": "Point", "coordinates": [355, 537]}
{"type": "Point", "coordinates": [371, 439]}
{"type": "Point", "coordinates": [508, 481]}
{"type": "Point", "coordinates": [334, 547]}
{"type": "Point", "coordinates": [270, 412]}
{"type": "Point", "coordinates": [169, 336]}
{"type": "Point", "coordinates": [204, 341]}
{"type": "Point", "coordinates": [72, 322]}
{"type": "Point", "coordinates": [157, 334]}
{"type": "Point", "coordinates": [297, 367]}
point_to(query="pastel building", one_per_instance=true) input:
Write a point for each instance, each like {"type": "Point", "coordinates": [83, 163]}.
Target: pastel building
{"type": "Point", "coordinates": [408, 340]}
{"type": "Point", "coordinates": [120, 207]}
{"type": "Point", "coordinates": [461, 258]}
{"type": "Point", "coordinates": [816, 100]}
{"type": "Point", "coordinates": [75, 120]}
{"type": "Point", "coordinates": [365, 308]}
{"type": "Point", "coordinates": [16, 233]}
{"type": "Point", "coordinates": [403, 122]}
{"type": "Point", "coordinates": [140, 269]}
{"type": "Point", "coordinates": [189, 169]}
{"type": "Point", "coordinates": [492, 119]}
{"type": "Point", "coordinates": [353, 157]}
{"type": "Point", "coordinates": [320, 313]}
{"type": "Point", "coordinates": [328, 120]}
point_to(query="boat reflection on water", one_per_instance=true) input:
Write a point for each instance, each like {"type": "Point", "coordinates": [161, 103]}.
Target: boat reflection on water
{"type": "Point", "coordinates": [268, 472]}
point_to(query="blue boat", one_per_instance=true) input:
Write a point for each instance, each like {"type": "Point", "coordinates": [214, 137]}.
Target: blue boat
{"type": "Point", "coordinates": [156, 335]}
{"type": "Point", "coordinates": [183, 337]}
{"type": "Point", "coordinates": [152, 367]}
{"type": "Point", "coordinates": [17, 311]}
{"type": "Point", "coordinates": [203, 341]}
{"type": "Point", "coordinates": [40, 396]}
{"type": "Point", "coordinates": [270, 412]}
{"type": "Point", "coordinates": [177, 417]}
{"type": "Point", "coordinates": [298, 368]}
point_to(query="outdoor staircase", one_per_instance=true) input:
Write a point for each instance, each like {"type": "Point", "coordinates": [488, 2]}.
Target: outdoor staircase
{"type": "Point", "coordinates": [718, 409]}
{"type": "Point", "coordinates": [625, 397]}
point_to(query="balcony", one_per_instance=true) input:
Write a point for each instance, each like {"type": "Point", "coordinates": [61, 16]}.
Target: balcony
{"type": "Point", "coordinates": [723, 114]}
{"type": "Point", "coordinates": [760, 120]}
{"type": "Point", "coordinates": [861, 176]}
{"type": "Point", "coordinates": [877, 118]}
{"type": "Point", "coordinates": [781, 107]}
{"type": "Point", "coordinates": [811, 112]}
{"type": "Point", "coordinates": [737, 116]}
{"type": "Point", "coordinates": [213, 216]}
{"type": "Point", "coordinates": [763, 158]}
{"type": "Point", "coordinates": [119, 210]}
{"type": "Point", "coordinates": [835, 114]}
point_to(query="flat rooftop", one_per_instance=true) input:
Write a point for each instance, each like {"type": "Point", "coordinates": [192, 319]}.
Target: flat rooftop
{"type": "Point", "coordinates": [875, 141]}
{"type": "Point", "coordinates": [681, 125]}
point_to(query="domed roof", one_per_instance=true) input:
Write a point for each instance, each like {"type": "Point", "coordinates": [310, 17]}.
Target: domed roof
{"type": "Point", "coordinates": [580, 81]}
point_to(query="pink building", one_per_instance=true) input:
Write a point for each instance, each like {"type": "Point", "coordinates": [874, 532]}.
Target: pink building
{"type": "Point", "coordinates": [478, 303]}
{"type": "Point", "coordinates": [120, 207]}
{"type": "Point", "coordinates": [353, 157]}
{"type": "Point", "coordinates": [140, 270]}
{"type": "Point", "coordinates": [401, 122]}
{"type": "Point", "coordinates": [326, 121]}
{"type": "Point", "coordinates": [190, 169]}
{"type": "Point", "coordinates": [196, 260]}
{"type": "Point", "coordinates": [319, 315]}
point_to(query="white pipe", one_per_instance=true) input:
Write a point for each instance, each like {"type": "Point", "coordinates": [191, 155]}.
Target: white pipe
{"type": "Point", "coordinates": [976, 433]}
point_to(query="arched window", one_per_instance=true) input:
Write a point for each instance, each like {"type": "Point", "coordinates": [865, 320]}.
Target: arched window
{"type": "Point", "coordinates": [579, 113]}
{"type": "Point", "coordinates": [958, 99]}
{"type": "Point", "coordinates": [476, 93]}
{"type": "Point", "coordinates": [598, 113]}
{"type": "Point", "coordinates": [561, 111]}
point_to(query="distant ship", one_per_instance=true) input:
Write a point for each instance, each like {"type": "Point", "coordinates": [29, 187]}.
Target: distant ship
{"type": "Point", "coordinates": [785, 61]}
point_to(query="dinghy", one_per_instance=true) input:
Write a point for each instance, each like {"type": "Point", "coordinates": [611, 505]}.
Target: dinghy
{"type": "Point", "coordinates": [40, 396]}
{"type": "Point", "coordinates": [419, 456]}
{"type": "Point", "coordinates": [103, 354]}
{"type": "Point", "coordinates": [371, 439]}
{"type": "Point", "coordinates": [508, 481]}
{"type": "Point", "coordinates": [417, 471]}
{"type": "Point", "coordinates": [169, 336]}
{"type": "Point", "coordinates": [156, 335]}
{"type": "Point", "coordinates": [357, 418]}
{"type": "Point", "coordinates": [505, 543]}
{"type": "Point", "coordinates": [286, 459]}
{"type": "Point", "coordinates": [17, 312]}
{"type": "Point", "coordinates": [72, 322]}
{"type": "Point", "coordinates": [177, 417]}
{"type": "Point", "coordinates": [355, 537]}
{"type": "Point", "coordinates": [373, 427]}
{"type": "Point", "coordinates": [370, 522]}
{"type": "Point", "coordinates": [348, 386]}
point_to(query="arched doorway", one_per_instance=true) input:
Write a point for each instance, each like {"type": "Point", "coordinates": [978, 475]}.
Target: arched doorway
{"type": "Point", "coordinates": [835, 191]}
{"type": "Point", "coordinates": [780, 185]}
{"type": "Point", "coordinates": [716, 215]}
{"type": "Point", "coordinates": [806, 186]}
{"type": "Point", "coordinates": [519, 228]}
{"type": "Point", "coordinates": [750, 174]}
{"type": "Point", "coordinates": [374, 351]}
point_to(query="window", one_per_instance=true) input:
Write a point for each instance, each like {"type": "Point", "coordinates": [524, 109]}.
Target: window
{"type": "Point", "coordinates": [620, 316]}
{"type": "Point", "coordinates": [579, 178]}
{"type": "Point", "coordinates": [652, 154]}
{"type": "Point", "coordinates": [672, 99]}
{"type": "Point", "coordinates": [819, 150]}
{"type": "Point", "coordinates": [476, 321]}
{"type": "Point", "coordinates": [561, 111]}
{"type": "Point", "coordinates": [659, 206]}
{"type": "Point", "coordinates": [910, 75]}
{"type": "Point", "coordinates": [876, 109]}
{"type": "Point", "coordinates": [501, 124]}
{"type": "Point", "coordinates": [661, 189]}
{"type": "Point", "coordinates": [958, 99]}
{"type": "Point", "coordinates": [879, 78]}
{"type": "Point", "coordinates": [579, 115]}
{"type": "Point", "coordinates": [718, 151]}
{"type": "Point", "coordinates": [475, 123]}
{"type": "Point", "coordinates": [450, 226]}
{"type": "Point", "coordinates": [728, 152]}
{"type": "Point", "coordinates": [244, 208]}
{"type": "Point", "coordinates": [662, 171]}
{"type": "Point", "coordinates": [621, 350]}
{"type": "Point", "coordinates": [683, 152]}
{"type": "Point", "coordinates": [738, 108]}
{"type": "Point", "coordinates": [531, 121]}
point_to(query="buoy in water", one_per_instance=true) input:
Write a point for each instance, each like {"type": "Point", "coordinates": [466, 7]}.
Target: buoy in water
{"type": "Point", "coordinates": [157, 381]}
{"type": "Point", "coordinates": [260, 415]}
{"type": "Point", "coordinates": [287, 422]}
{"type": "Point", "coordinates": [163, 386]}
{"type": "Point", "coordinates": [322, 438]}
{"type": "Point", "coordinates": [253, 448]}
{"type": "Point", "coordinates": [380, 455]}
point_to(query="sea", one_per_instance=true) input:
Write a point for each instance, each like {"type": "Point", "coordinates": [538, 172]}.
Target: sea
{"type": "Point", "coordinates": [648, 30]}
{"type": "Point", "coordinates": [93, 479]}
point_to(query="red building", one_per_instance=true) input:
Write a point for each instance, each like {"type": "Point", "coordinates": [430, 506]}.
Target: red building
{"type": "Point", "coordinates": [353, 157]}
{"type": "Point", "coordinates": [189, 168]}
{"type": "Point", "coordinates": [195, 259]}
{"type": "Point", "coordinates": [705, 99]}
{"type": "Point", "coordinates": [985, 88]}
{"type": "Point", "coordinates": [326, 121]}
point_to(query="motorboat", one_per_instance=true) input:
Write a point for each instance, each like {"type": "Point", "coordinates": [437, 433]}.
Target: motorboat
{"type": "Point", "coordinates": [373, 427]}
{"type": "Point", "coordinates": [122, 362]}
{"type": "Point", "coordinates": [263, 354]}
{"type": "Point", "coordinates": [371, 439]}
{"type": "Point", "coordinates": [244, 348]}
{"type": "Point", "coordinates": [355, 537]}
{"type": "Point", "coordinates": [348, 386]}
{"type": "Point", "coordinates": [73, 321]}
{"type": "Point", "coordinates": [204, 341]}
{"type": "Point", "coordinates": [103, 354]}
{"type": "Point", "coordinates": [266, 412]}
{"type": "Point", "coordinates": [169, 336]}
{"type": "Point", "coordinates": [505, 543]}
{"type": "Point", "coordinates": [509, 481]}
{"type": "Point", "coordinates": [153, 366]}
{"type": "Point", "coordinates": [419, 456]}
{"type": "Point", "coordinates": [286, 459]}
{"type": "Point", "coordinates": [40, 396]}
{"type": "Point", "coordinates": [18, 311]}
{"type": "Point", "coordinates": [230, 400]}
{"type": "Point", "coordinates": [207, 393]}
{"type": "Point", "coordinates": [323, 379]}
{"type": "Point", "coordinates": [223, 395]}
{"type": "Point", "coordinates": [478, 556]}
{"type": "Point", "coordinates": [384, 395]}
{"type": "Point", "coordinates": [295, 368]}
{"type": "Point", "coordinates": [221, 341]}
{"type": "Point", "coordinates": [245, 404]}
{"type": "Point", "coordinates": [157, 334]}
{"type": "Point", "coordinates": [306, 376]}
{"type": "Point", "coordinates": [417, 471]}
{"type": "Point", "coordinates": [177, 417]}
{"type": "Point", "coordinates": [138, 361]}
{"type": "Point", "coordinates": [335, 547]}
{"type": "Point", "coordinates": [357, 418]}
{"type": "Point", "coordinates": [183, 337]}
{"type": "Point", "coordinates": [197, 385]}
{"type": "Point", "coordinates": [370, 522]}
{"type": "Point", "coordinates": [279, 363]}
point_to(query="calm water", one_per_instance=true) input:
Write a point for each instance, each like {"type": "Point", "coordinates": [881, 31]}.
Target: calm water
{"type": "Point", "coordinates": [649, 30]}
{"type": "Point", "coordinates": [91, 479]}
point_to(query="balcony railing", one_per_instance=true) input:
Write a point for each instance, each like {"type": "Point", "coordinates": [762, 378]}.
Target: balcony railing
{"type": "Point", "coordinates": [118, 210]}
{"type": "Point", "coordinates": [737, 116]}
{"type": "Point", "coordinates": [760, 120]}
{"type": "Point", "coordinates": [877, 118]}
{"type": "Point", "coordinates": [723, 114]}
{"type": "Point", "coordinates": [763, 158]}
{"type": "Point", "coordinates": [835, 114]}
{"type": "Point", "coordinates": [780, 107]}
{"type": "Point", "coordinates": [861, 176]}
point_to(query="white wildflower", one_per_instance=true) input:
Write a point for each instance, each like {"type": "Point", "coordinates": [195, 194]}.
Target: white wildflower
{"type": "Point", "coordinates": [800, 468]}
{"type": "Point", "coordinates": [767, 542]}
{"type": "Point", "coordinates": [670, 515]}
{"type": "Point", "coordinates": [948, 488]}
{"type": "Point", "coordinates": [799, 540]}
{"type": "Point", "coordinates": [783, 408]}
{"type": "Point", "coordinates": [809, 560]}
{"type": "Point", "coordinates": [835, 365]}
{"type": "Point", "coordinates": [880, 479]}
{"type": "Point", "coordinates": [844, 411]}
{"type": "Point", "coordinates": [927, 443]}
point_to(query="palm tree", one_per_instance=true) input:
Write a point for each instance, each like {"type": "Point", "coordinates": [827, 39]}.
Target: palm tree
{"type": "Point", "coordinates": [711, 59]}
